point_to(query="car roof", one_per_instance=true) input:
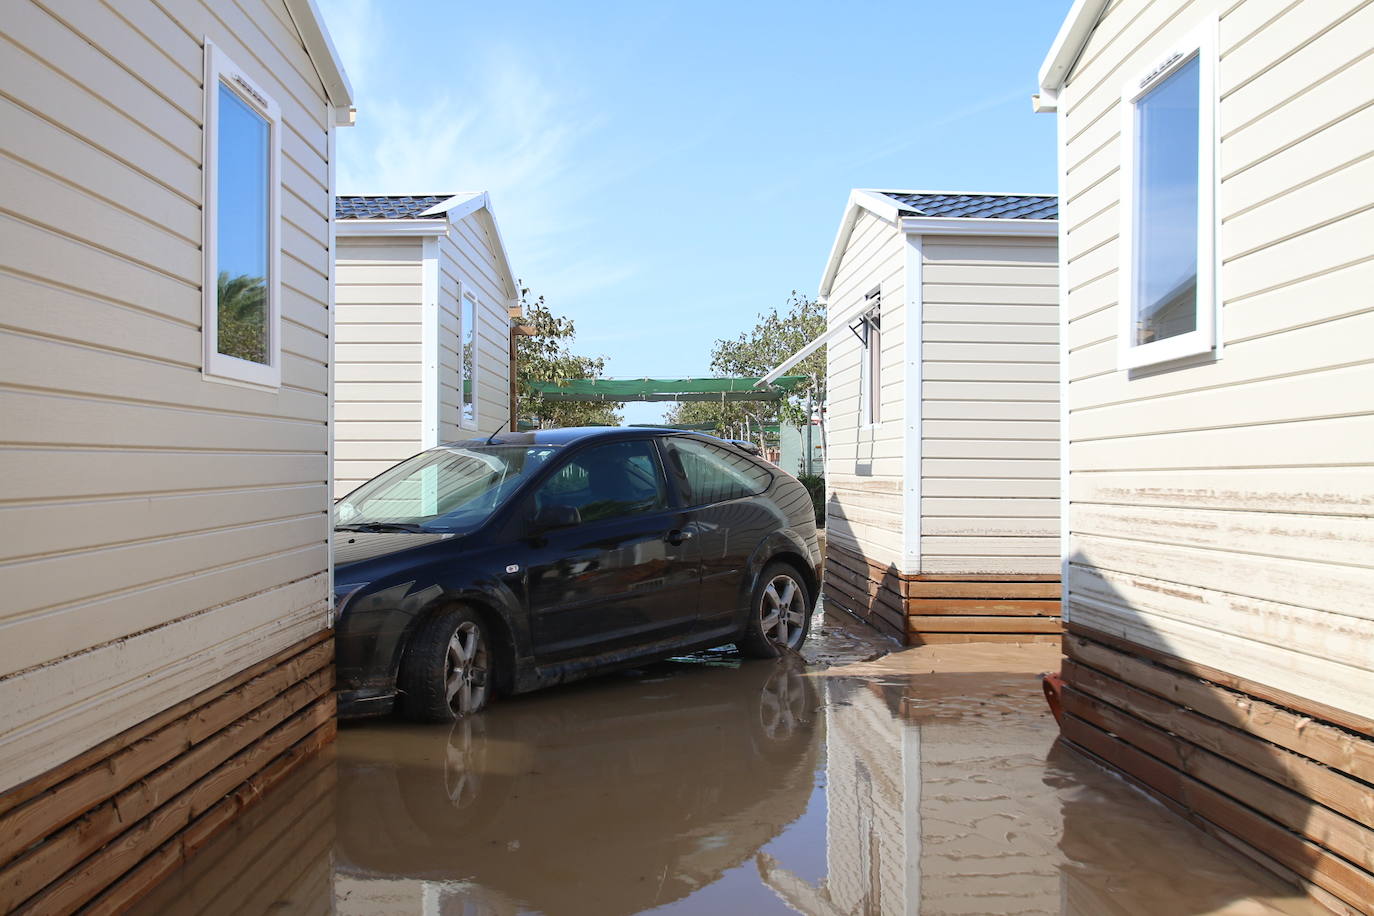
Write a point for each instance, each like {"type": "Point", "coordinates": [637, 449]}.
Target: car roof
{"type": "Point", "coordinates": [570, 435]}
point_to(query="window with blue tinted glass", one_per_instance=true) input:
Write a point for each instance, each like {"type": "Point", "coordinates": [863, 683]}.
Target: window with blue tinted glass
{"type": "Point", "coordinates": [1165, 289]}
{"type": "Point", "coordinates": [243, 147]}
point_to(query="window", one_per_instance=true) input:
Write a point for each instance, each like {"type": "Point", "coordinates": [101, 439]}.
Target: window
{"type": "Point", "coordinates": [716, 473]}
{"type": "Point", "coordinates": [241, 305]}
{"type": "Point", "coordinates": [469, 357]}
{"type": "Point", "coordinates": [615, 480]}
{"type": "Point", "coordinates": [1167, 285]}
{"type": "Point", "coordinates": [870, 332]}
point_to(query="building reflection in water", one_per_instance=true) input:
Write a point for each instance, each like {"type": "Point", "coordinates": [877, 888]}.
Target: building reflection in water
{"type": "Point", "coordinates": [946, 795]}
{"type": "Point", "coordinates": [693, 788]}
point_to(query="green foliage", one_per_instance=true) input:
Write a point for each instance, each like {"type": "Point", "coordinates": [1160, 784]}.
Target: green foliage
{"type": "Point", "coordinates": [545, 357]}
{"type": "Point", "coordinates": [242, 317]}
{"type": "Point", "coordinates": [776, 335]}
{"type": "Point", "coordinates": [815, 485]}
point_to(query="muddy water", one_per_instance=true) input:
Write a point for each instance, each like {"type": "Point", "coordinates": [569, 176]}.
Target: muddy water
{"type": "Point", "coordinates": [920, 782]}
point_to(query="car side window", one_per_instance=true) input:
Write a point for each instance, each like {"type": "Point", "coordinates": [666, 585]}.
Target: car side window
{"type": "Point", "coordinates": [717, 473]}
{"type": "Point", "coordinates": [614, 480]}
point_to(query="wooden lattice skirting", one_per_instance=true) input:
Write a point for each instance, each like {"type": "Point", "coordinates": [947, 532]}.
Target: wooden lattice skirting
{"type": "Point", "coordinates": [103, 828]}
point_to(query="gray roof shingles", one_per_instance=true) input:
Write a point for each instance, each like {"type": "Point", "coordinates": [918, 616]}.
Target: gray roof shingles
{"type": "Point", "coordinates": [389, 207]}
{"type": "Point", "coordinates": [979, 206]}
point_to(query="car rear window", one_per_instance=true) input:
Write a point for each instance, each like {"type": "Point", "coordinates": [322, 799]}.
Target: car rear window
{"type": "Point", "coordinates": [716, 473]}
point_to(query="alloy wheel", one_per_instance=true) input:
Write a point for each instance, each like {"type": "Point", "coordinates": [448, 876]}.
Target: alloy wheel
{"type": "Point", "coordinates": [783, 612]}
{"type": "Point", "coordinates": [466, 669]}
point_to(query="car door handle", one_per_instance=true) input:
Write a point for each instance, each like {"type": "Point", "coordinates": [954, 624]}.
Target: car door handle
{"type": "Point", "coordinates": [678, 535]}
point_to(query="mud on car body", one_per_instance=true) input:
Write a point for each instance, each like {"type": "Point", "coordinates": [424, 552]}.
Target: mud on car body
{"type": "Point", "coordinates": [505, 565]}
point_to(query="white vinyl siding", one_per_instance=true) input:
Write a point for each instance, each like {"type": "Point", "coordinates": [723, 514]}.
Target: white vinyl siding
{"type": "Point", "coordinates": [160, 532]}
{"type": "Point", "coordinates": [468, 257]}
{"type": "Point", "coordinates": [380, 375]}
{"type": "Point", "coordinates": [1221, 512]}
{"type": "Point", "coordinates": [378, 359]}
{"type": "Point", "coordinates": [864, 462]}
{"type": "Point", "coordinates": [990, 406]}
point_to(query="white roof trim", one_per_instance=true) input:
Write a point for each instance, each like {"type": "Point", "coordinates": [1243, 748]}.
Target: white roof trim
{"type": "Point", "coordinates": [1068, 44]}
{"type": "Point", "coordinates": [474, 200]}
{"type": "Point", "coordinates": [875, 202]}
{"type": "Point", "coordinates": [961, 225]}
{"type": "Point", "coordinates": [894, 211]}
{"type": "Point", "coordinates": [325, 57]}
{"type": "Point", "coordinates": [440, 217]}
{"type": "Point", "coordinates": [357, 227]}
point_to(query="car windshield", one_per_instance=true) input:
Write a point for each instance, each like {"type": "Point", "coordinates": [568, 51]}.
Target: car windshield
{"type": "Point", "coordinates": [450, 489]}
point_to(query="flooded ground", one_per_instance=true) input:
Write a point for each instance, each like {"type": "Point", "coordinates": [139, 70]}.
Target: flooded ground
{"type": "Point", "coordinates": [853, 783]}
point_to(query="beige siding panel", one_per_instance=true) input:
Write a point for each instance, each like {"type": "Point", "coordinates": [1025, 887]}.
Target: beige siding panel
{"type": "Point", "coordinates": [1221, 511]}
{"type": "Point", "coordinates": [141, 497]}
{"type": "Point", "coordinates": [81, 701]}
{"type": "Point", "coordinates": [867, 458]}
{"type": "Point", "coordinates": [467, 255]}
{"type": "Point", "coordinates": [989, 506]}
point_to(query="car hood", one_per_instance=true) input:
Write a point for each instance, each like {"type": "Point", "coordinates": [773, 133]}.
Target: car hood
{"type": "Point", "coordinates": [360, 546]}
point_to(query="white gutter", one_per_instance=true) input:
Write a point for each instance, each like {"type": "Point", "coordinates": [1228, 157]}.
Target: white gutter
{"type": "Point", "coordinates": [356, 227]}
{"type": "Point", "coordinates": [1068, 45]}
{"type": "Point", "coordinates": [958, 225]}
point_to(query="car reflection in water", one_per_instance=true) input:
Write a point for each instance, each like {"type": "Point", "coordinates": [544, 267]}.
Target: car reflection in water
{"type": "Point", "coordinates": [611, 798]}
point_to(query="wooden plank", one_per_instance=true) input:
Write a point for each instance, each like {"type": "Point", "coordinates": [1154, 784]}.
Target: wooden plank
{"type": "Point", "coordinates": [153, 870]}
{"type": "Point", "coordinates": [24, 826]}
{"type": "Point", "coordinates": [954, 624]}
{"type": "Point", "coordinates": [926, 588]}
{"type": "Point", "coordinates": [46, 862]}
{"type": "Point", "coordinates": [893, 620]}
{"type": "Point", "coordinates": [39, 784]}
{"type": "Point", "coordinates": [1294, 809]}
{"type": "Point", "coordinates": [861, 585]}
{"type": "Point", "coordinates": [100, 870]}
{"type": "Point", "coordinates": [1327, 870]}
{"type": "Point", "coordinates": [922, 639]}
{"type": "Point", "coordinates": [1272, 694]}
{"type": "Point", "coordinates": [985, 577]}
{"type": "Point", "coordinates": [1334, 747]}
{"type": "Point", "coordinates": [982, 607]}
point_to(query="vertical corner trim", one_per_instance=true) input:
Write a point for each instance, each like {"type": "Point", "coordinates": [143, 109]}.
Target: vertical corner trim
{"type": "Point", "coordinates": [911, 424]}
{"type": "Point", "coordinates": [429, 343]}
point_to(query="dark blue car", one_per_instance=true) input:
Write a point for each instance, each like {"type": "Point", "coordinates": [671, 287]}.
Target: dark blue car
{"type": "Point", "coordinates": [530, 559]}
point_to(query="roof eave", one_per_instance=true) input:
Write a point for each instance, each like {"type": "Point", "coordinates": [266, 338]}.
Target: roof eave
{"type": "Point", "coordinates": [987, 226]}
{"type": "Point", "coordinates": [325, 58]}
{"type": "Point", "coordinates": [875, 202]}
{"type": "Point", "coordinates": [390, 227]}
{"type": "Point", "coordinates": [1068, 45]}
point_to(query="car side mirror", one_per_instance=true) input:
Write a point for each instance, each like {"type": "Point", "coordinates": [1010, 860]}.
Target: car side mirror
{"type": "Point", "coordinates": [550, 518]}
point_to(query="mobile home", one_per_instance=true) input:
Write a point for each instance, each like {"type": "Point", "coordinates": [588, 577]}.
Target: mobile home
{"type": "Point", "coordinates": [423, 351]}
{"type": "Point", "coordinates": [166, 264]}
{"type": "Point", "coordinates": [1216, 172]}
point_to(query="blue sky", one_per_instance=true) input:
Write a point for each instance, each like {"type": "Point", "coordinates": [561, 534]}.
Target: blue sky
{"type": "Point", "coordinates": [662, 172]}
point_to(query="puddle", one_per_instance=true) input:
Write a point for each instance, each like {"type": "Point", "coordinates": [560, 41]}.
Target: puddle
{"type": "Point", "coordinates": [922, 782]}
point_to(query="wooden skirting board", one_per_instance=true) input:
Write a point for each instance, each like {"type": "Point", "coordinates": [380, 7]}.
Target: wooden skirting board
{"type": "Point", "coordinates": [103, 828]}
{"type": "Point", "coordinates": [923, 610]}
{"type": "Point", "coordinates": [1290, 790]}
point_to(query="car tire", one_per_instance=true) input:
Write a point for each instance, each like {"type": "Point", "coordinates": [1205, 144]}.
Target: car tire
{"type": "Point", "coordinates": [448, 670]}
{"type": "Point", "coordinates": [779, 613]}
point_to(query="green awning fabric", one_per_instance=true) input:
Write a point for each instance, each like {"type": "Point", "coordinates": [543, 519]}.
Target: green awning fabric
{"type": "Point", "coordinates": [667, 389]}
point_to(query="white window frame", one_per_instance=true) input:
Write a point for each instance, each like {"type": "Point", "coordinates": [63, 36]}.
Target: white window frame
{"type": "Point", "coordinates": [871, 363]}
{"type": "Point", "coordinates": [465, 298]}
{"type": "Point", "coordinates": [220, 70]}
{"type": "Point", "coordinates": [1200, 44]}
